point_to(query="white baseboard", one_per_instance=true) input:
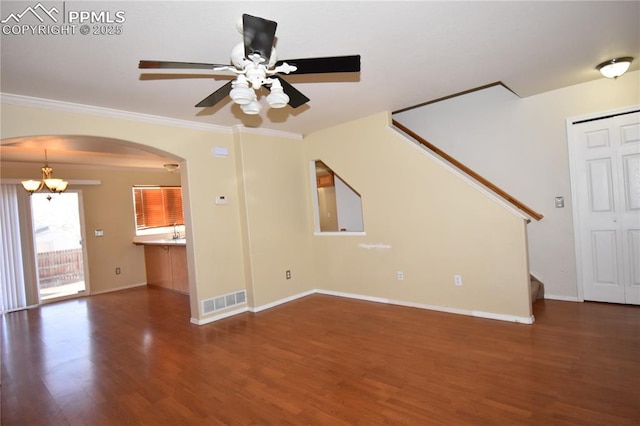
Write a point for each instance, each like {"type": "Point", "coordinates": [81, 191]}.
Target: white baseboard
{"type": "Point", "coordinates": [450, 310]}
{"type": "Point", "coordinates": [8, 311]}
{"type": "Point", "coordinates": [446, 309]}
{"type": "Point", "coordinates": [501, 317]}
{"type": "Point", "coordinates": [126, 287]}
{"type": "Point", "coordinates": [250, 309]}
{"type": "Point", "coordinates": [563, 298]}
{"type": "Point", "coordinates": [353, 296]}
{"type": "Point", "coordinates": [282, 301]}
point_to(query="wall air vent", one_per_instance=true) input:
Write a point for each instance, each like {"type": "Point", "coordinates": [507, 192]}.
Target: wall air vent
{"type": "Point", "coordinates": [222, 302]}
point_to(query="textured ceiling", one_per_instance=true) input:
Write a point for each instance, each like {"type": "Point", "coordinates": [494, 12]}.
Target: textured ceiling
{"type": "Point", "coordinates": [412, 52]}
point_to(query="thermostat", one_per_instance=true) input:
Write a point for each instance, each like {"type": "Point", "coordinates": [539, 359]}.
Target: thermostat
{"type": "Point", "coordinates": [221, 199]}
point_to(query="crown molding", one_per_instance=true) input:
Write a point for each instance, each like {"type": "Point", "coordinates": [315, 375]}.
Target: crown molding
{"type": "Point", "coordinates": [28, 101]}
{"type": "Point", "coordinates": [239, 129]}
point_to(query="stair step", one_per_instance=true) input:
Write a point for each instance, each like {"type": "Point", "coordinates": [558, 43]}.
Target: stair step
{"type": "Point", "coordinates": [536, 289]}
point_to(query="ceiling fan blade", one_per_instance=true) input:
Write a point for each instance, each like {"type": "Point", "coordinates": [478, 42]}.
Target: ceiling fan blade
{"type": "Point", "coordinates": [259, 34]}
{"type": "Point", "coordinates": [169, 64]}
{"type": "Point", "coordinates": [325, 65]}
{"type": "Point", "coordinates": [296, 98]}
{"type": "Point", "coordinates": [216, 96]}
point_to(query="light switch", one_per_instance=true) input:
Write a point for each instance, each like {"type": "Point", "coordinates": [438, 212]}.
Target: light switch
{"type": "Point", "coordinates": [99, 233]}
{"type": "Point", "coordinates": [559, 202]}
{"type": "Point", "coordinates": [221, 199]}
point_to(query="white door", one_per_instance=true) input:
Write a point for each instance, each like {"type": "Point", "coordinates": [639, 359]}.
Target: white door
{"type": "Point", "coordinates": [606, 182]}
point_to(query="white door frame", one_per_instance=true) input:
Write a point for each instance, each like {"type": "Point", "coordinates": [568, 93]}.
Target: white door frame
{"type": "Point", "coordinates": [85, 253]}
{"type": "Point", "coordinates": [85, 260]}
{"type": "Point", "coordinates": [572, 170]}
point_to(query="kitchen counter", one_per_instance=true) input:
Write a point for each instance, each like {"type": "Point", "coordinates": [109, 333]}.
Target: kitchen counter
{"type": "Point", "coordinates": [166, 263]}
{"type": "Point", "coordinates": [161, 242]}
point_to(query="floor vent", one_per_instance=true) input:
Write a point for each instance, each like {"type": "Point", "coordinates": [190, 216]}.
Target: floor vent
{"type": "Point", "coordinates": [224, 301]}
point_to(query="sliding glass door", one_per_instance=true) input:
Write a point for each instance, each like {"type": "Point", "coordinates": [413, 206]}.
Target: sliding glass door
{"type": "Point", "coordinates": [60, 262]}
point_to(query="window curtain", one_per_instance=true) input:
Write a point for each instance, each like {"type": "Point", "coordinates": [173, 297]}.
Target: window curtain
{"type": "Point", "coordinates": [18, 285]}
{"type": "Point", "coordinates": [13, 295]}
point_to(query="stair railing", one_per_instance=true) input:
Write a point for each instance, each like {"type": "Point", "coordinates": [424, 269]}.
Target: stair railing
{"type": "Point", "coordinates": [505, 195]}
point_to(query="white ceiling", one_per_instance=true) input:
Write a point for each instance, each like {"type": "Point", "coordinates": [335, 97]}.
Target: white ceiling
{"type": "Point", "coordinates": [412, 52]}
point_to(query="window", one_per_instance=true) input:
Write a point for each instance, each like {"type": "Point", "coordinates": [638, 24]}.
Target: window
{"type": "Point", "coordinates": [157, 206]}
{"type": "Point", "coordinates": [338, 207]}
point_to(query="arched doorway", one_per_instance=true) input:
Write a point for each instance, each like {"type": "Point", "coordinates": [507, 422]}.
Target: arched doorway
{"type": "Point", "coordinates": [104, 169]}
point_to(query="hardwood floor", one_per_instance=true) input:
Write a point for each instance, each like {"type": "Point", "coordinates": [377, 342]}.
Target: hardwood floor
{"type": "Point", "coordinates": [132, 357]}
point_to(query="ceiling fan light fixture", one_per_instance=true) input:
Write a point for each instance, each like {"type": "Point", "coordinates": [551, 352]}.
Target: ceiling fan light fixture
{"type": "Point", "coordinates": [255, 63]}
{"type": "Point", "coordinates": [277, 98]}
{"type": "Point", "coordinates": [252, 108]}
{"type": "Point", "coordinates": [614, 68]}
{"type": "Point", "coordinates": [241, 93]}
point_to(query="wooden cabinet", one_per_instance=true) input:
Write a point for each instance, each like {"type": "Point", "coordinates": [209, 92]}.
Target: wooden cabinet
{"type": "Point", "coordinates": [179, 277]}
{"type": "Point", "coordinates": [166, 266]}
{"type": "Point", "coordinates": [325, 180]}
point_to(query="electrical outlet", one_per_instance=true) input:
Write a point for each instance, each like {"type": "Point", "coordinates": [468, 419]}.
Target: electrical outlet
{"type": "Point", "coordinates": [118, 271]}
{"type": "Point", "coordinates": [400, 275]}
{"type": "Point", "coordinates": [457, 279]}
{"type": "Point", "coordinates": [288, 274]}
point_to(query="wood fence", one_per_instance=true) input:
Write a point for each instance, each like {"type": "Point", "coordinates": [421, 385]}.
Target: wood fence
{"type": "Point", "coordinates": [60, 267]}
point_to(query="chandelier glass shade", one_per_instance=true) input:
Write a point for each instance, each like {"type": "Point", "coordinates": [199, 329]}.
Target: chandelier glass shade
{"type": "Point", "coordinates": [47, 181]}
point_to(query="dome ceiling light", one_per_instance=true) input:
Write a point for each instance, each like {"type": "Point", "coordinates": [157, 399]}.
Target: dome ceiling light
{"type": "Point", "coordinates": [614, 68]}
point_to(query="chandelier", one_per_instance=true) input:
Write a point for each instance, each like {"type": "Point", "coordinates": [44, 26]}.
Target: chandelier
{"type": "Point", "coordinates": [47, 181]}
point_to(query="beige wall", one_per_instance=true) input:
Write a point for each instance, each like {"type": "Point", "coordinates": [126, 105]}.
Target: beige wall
{"type": "Point", "coordinates": [273, 197]}
{"type": "Point", "coordinates": [421, 219]}
{"type": "Point", "coordinates": [434, 224]}
{"type": "Point", "coordinates": [109, 207]}
{"type": "Point", "coordinates": [521, 145]}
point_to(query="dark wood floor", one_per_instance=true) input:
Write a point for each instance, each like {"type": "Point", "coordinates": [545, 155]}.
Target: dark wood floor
{"type": "Point", "coordinates": [132, 357]}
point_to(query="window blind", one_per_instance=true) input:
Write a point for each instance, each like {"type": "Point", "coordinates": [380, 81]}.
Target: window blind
{"type": "Point", "coordinates": [158, 206]}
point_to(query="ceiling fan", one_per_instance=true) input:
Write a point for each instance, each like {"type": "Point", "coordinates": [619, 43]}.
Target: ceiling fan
{"type": "Point", "coordinates": [256, 65]}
